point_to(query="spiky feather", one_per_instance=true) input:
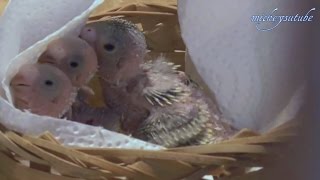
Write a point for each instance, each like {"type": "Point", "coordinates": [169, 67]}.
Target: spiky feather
{"type": "Point", "coordinates": [178, 118]}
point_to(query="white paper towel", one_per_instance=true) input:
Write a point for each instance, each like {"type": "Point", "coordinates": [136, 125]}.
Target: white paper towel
{"type": "Point", "coordinates": [253, 73]}
{"type": "Point", "coordinates": [26, 22]}
{"type": "Point", "coordinates": [25, 30]}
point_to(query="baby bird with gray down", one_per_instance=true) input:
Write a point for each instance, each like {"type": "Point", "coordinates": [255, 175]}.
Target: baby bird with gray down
{"type": "Point", "coordinates": [154, 102]}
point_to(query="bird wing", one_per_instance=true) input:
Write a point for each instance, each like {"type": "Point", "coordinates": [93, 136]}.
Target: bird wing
{"type": "Point", "coordinates": [164, 87]}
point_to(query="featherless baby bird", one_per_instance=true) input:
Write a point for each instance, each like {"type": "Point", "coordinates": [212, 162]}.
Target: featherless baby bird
{"type": "Point", "coordinates": [72, 55]}
{"type": "Point", "coordinates": [78, 60]}
{"type": "Point", "coordinates": [152, 98]}
{"type": "Point", "coordinates": [42, 89]}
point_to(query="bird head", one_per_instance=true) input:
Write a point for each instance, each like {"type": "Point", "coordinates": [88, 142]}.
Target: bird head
{"type": "Point", "coordinates": [120, 47]}
{"type": "Point", "coordinates": [75, 57]}
{"type": "Point", "coordinates": [42, 89]}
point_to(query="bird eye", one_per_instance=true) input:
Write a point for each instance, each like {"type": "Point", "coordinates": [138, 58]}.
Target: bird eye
{"type": "Point", "coordinates": [109, 47]}
{"type": "Point", "coordinates": [87, 29]}
{"type": "Point", "coordinates": [74, 64]}
{"type": "Point", "coordinates": [48, 83]}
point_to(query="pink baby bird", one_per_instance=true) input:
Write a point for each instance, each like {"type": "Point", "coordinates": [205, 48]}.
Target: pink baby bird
{"type": "Point", "coordinates": [42, 89]}
{"type": "Point", "coordinates": [75, 57]}
{"type": "Point", "coordinates": [78, 60]}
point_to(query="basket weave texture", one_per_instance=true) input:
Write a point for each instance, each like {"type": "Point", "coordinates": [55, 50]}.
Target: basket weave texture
{"type": "Point", "coordinates": [43, 158]}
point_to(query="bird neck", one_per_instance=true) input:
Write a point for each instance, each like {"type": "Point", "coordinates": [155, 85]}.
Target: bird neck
{"type": "Point", "coordinates": [137, 83]}
{"type": "Point", "coordinates": [124, 78]}
{"type": "Point", "coordinates": [129, 73]}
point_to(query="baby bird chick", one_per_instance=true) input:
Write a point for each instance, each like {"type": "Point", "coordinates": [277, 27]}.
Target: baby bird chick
{"type": "Point", "coordinates": [153, 100]}
{"type": "Point", "coordinates": [78, 60]}
{"type": "Point", "coordinates": [74, 57]}
{"type": "Point", "coordinates": [42, 89]}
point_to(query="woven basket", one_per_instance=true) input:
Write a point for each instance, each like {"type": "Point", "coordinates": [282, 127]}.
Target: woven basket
{"type": "Point", "coordinates": [44, 158]}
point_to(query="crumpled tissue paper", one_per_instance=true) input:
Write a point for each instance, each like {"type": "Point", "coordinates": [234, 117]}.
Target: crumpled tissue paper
{"type": "Point", "coordinates": [254, 74]}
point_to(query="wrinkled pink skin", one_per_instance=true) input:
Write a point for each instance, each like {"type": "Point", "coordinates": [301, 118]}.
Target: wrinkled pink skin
{"type": "Point", "coordinates": [83, 113]}
{"type": "Point", "coordinates": [42, 89]}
